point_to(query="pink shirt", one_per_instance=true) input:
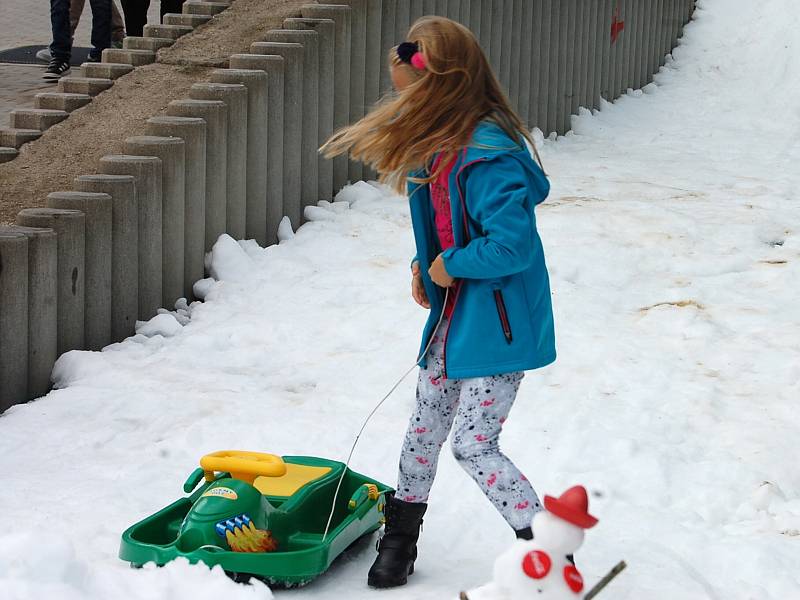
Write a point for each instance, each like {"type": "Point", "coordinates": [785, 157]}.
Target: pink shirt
{"type": "Point", "coordinates": [440, 198]}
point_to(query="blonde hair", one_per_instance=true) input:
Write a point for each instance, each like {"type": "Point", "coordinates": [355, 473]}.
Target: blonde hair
{"type": "Point", "coordinates": [437, 112]}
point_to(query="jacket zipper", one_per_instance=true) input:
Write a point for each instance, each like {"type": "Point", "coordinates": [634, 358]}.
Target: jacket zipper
{"type": "Point", "coordinates": [466, 233]}
{"type": "Point", "coordinates": [501, 311]}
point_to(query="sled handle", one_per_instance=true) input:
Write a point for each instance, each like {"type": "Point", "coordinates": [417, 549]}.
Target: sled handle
{"type": "Point", "coordinates": [242, 465]}
{"type": "Point", "coordinates": [192, 481]}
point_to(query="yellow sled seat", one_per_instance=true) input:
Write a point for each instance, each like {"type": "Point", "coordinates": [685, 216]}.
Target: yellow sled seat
{"type": "Point", "coordinates": [295, 479]}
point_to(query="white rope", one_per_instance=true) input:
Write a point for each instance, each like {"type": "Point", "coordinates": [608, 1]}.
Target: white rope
{"type": "Point", "coordinates": [374, 410]}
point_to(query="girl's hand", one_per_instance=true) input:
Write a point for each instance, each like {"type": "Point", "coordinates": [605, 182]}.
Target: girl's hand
{"type": "Point", "coordinates": [417, 289]}
{"type": "Point", "coordinates": [439, 274]}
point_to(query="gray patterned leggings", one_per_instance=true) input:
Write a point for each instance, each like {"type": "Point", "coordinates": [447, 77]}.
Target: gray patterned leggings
{"type": "Point", "coordinates": [479, 407]}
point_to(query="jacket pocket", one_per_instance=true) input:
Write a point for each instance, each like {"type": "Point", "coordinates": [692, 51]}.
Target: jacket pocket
{"type": "Point", "coordinates": [503, 314]}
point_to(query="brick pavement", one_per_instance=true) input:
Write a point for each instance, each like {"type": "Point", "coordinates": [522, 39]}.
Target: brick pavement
{"type": "Point", "coordinates": [26, 23]}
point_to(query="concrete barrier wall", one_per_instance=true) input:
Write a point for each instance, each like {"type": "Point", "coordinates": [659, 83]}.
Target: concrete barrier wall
{"type": "Point", "coordinates": [241, 153]}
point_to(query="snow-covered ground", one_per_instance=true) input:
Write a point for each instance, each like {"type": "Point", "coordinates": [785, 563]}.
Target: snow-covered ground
{"type": "Point", "coordinates": [672, 240]}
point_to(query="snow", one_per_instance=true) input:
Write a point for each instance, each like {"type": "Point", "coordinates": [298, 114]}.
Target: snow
{"type": "Point", "coordinates": [671, 237]}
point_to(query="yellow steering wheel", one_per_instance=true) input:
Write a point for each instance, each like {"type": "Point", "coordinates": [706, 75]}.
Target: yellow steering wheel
{"type": "Point", "coordinates": [242, 465]}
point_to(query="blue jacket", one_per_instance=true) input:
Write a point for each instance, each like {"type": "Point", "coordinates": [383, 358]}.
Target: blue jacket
{"type": "Point", "coordinates": [503, 318]}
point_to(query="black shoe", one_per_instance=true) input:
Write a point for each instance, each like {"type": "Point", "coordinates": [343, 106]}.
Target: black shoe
{"type": "Point", "coordinates": [397, 549]}
{"type": "Point", "coordinates": [56, 69]}
{"type": "Point", "coordinates": [524, 534]}
{"type": "Point", "coordinates": [93, 58]}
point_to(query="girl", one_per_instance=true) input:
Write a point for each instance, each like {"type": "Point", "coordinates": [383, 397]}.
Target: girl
{"type": "Point", "coordinates": [451, 136]}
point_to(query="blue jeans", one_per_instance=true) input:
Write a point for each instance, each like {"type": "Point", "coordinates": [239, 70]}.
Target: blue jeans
{"type": "Point", "coordinates": [61, 48]}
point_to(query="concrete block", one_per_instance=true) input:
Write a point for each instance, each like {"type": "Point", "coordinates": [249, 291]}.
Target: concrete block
{"type": "Point", "coordinates": [14, 138]}
{"type": "Point", "coordinates": [325, 29]}
{"type": "Point", "coordinates": [60, 101]}
{"type": "Point", "coordinates": [193, 132]}
{"type": "Point", "coordinates": [36, 118]}
{"type": "Point", "coordinates": [485, 37]}
{"type": "Point", "coordinates": [257, 143]}
{"type": "Point", "coordinates": [496, 38]}
{"type": "Point", "coordinates": [604, 20]}
{"type": "Point", "coordinates": [8, 154]}
{"type": "Point", "coordinates": [83, 85]}
{"type": "Point", "coordinates": [340, 14]}
{"type": "Point", "coordinates": [105, 70]}
{"type": "Point", "coordinates": [374, 58]}
{"type": "Point", "coordinates": [278, 203]}
{"type": "Point", "coordinates": [526, 52]}
{"type": "Point", "coordinates": [172, 152]}
{"type": "Point", "coordinates": [310, 142]}
{"type": "Point", "coordinates": [580, 74]}
{"type": "Point", "coordinates": [71, 247]}
{"type": "Point", "coordinates": [358, 50]}
{"type": "Point", "coordinates": [568, 83]}
{"type": "Point", "coordinates": [186, 20]}
{"type": "Point", "coordinates": [42, 306]}
{"type": "Point", "coordinates": [215, 114]}
{"type": "Point", "coordinates": [624, 47]}
{"type": "Point", "coordinates": [235, 98]}
{"type": "Point", "coordinates": [515, 67]}
{"type": "Point", "coordinates": [13, 319]}
{"type": "Point", "coordinates": [388, 8]}
{"type": "Point", "coordinates": [204, 8]}
{"type": "Point", "coordinates": [97, 296]}
{"type": "Point", "coordinates": [152, 44]}
{"type": "Point", "coordinates": [146, 171]}
{"type": "Point", "coordinates": [136, 58]}
{"type": "Point", "coordinates": [595, 56]}
{"type": "Point", "coordinates": [124, 249]}
{"type": "Point", "coordinates": [564, 42]}
{"type": "Point", "coordinates": [541, 66]}
{"type": "Point", "coordinates": [475, 14]}
{"type": "Point", "coordinates": [507, 35]}
{"type": "Point", "coordinates": [166, 31]}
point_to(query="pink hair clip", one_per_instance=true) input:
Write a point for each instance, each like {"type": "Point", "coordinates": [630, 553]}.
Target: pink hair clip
{"type": "Point", "coordinates": [418, 61]}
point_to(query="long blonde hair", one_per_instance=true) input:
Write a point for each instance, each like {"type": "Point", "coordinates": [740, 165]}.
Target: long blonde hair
{"type": "Point", "coordinates": [436, 112]}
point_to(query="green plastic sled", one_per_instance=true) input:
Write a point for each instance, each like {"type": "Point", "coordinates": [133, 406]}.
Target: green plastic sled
{"type": "Point", "coordinates": [260, 515]}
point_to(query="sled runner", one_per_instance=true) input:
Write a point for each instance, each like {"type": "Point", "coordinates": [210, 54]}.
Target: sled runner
{"type": "Point", "coordinates": [260, 515]}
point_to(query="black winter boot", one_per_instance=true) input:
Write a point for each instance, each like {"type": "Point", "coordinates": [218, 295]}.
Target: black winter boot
{"type": "Point", "coordinates": [524, 534]}
{"type": "Point", "coordinates": [397, 549]}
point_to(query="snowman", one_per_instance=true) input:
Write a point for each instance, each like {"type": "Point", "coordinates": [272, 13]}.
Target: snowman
{"type": "Point", "coordinates": [539, 568]}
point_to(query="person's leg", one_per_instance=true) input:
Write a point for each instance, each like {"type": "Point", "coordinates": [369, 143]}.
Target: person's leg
{"type": "Point", "coordinates": [75, 12]}
{"type": "Point", "coordinates": [135, 16]}
{"type": "Point", "coordinates": [170, 6]}
{"type": "Point", "coordinates": [483, 407]}
{"type": "Point", "coordinates": [428, 427]}
{"type": "Point", "coordinates": [61, 47]}
{"type": "Point", "coordinates": [427, 431]}
{"type": "Point", "coordinates": [101, 27]}
{"type": "Point", "coordinates": [117, 25]}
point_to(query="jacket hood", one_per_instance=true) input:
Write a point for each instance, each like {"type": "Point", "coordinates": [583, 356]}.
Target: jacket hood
{"type": "Point", "coordinates": [489, 142]}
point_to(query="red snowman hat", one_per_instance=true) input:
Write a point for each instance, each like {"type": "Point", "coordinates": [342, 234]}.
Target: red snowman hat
{"type": "Point", "coordinates": [572, 506]}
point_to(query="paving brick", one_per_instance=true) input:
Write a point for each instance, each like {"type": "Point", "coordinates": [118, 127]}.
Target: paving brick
{"type": "Point", "coordinates": [84, 85]}
{"type": "Point", "coordinates": [166, 31]}
{"type": "Point", "coordinates": [7, 154]}
{"type": "Point", "coordinates": [204, 8]}
{"type": "Point", "coordinates": [61, 101]}
{"type": "Point", "coordinates": [146, 43]}
{"type": "Point", "coordinates": [36, 118]}
{"type": "Point", "coordinates": [14, 138]}
{"type": "Point", "coordinates": [136, 58]}
{"type": "Point", "coordinates": [186, 20]}
{"type": "Point", "coordinates": [105, 70]}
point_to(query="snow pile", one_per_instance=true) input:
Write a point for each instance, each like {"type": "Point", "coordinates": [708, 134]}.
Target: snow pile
{"type": "Point", "coordinates": [35, 566]}
{"type": "Point", "coordinates": [671, 236]}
